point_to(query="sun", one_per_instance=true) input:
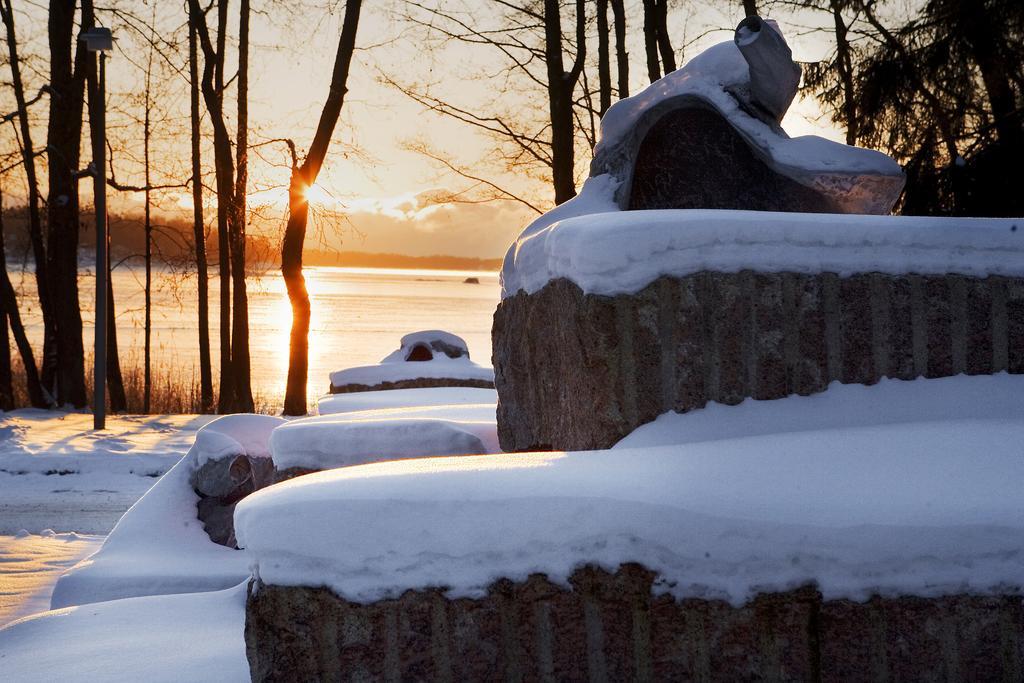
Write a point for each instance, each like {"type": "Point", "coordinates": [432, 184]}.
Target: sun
{"type": "Point", "coordinates": [317, 195]}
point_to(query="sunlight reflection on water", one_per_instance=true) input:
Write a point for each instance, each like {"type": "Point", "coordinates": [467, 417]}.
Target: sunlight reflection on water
{"type": "Point", "coordinates": [358, 317]}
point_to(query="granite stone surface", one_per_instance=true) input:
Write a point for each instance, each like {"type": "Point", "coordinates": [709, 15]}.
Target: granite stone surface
{"type": "Point", "coordinates": [579, 371]}
{"type": "Point", "coordinates": [612, 627]}
{"type": "Point", "coordinates": [693, 159]}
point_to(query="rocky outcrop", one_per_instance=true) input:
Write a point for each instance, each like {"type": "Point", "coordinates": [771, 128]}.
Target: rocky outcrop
{"type": "Point", "coordinates": [610, 627]}
{"type": "Point", "coordinates": [579, 371]}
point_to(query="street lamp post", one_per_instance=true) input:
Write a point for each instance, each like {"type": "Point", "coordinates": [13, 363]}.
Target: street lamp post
{"type": "Point", "coordinates": [98, 39]}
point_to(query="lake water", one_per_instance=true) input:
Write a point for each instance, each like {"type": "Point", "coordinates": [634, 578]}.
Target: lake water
{"type": "Point", "coordinates": [358, 317]}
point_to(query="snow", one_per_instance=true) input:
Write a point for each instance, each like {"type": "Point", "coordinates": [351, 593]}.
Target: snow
{"type": "Point", "coordinates": [710, 76]}
{"type": "Point", "coordinates": [57, 472]}
{"type": "Point", "coordinates": [891, 401]}
{"type": "Point", "coordinates": [424, 337]}
{"type": "Point", "coordinates": [715, 76]}
{"type": "Point", "coordinates": [31, 563]}
{"type": "Point", "coordinates": [928, 506]}
{"type": "Point", "coordinates": [346, 439]}
{"type": "Point", "coordinates": [404, 398]}
{"type": "Point", "coordinates": [235, 435]}
{"type": "Point", "coordinates": [622, 252]}
{"type": "Point", "coordinates": [197, 637]}
{"type": "Point", "coordinates": [395, 367]}
{"type": "Point", "coordinates": [441, 367]}
{"type": "Point", "coordinates": [160, 546]}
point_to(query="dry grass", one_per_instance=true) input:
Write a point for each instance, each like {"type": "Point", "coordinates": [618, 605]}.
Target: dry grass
{"type": "Point", "coordinates": [176, 389]}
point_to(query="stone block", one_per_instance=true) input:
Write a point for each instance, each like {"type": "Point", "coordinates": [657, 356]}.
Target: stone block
{"type": "Point", "coordinates": [579, 371]}
{"type": "Point", "coordinates": [609, 626]}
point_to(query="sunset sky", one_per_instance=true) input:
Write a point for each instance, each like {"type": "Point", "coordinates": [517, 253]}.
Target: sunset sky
{"type": "Point", "coordinates": [374, 193]}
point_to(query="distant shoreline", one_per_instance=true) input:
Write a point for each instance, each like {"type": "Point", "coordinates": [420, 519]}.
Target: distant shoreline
{"type": "Point", "coordinates": [355, 259]}
{"type": "Point", "coordinates": [174, 238]}
{"type": "Point", "coordinates": [361, 259]}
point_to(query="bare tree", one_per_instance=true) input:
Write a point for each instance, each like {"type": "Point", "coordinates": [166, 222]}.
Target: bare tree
{"type": "Point", "coordinates": [303, 176]}
{"type": "Point", "coordinates": [651, 41]}
{"type": "Point", "coordinates": [6, 379]}
{"type": "Point", "coordinates": [147, 374]}
{"type": "Point", "coordinates": [561, 85]}
{"type": "Point", "coordinates": [35, 224]}
{"type": "Point", "coordinates": [668, 55]}
{"type": "Point", "coordinates": [844, 66]}
{"type": "Point", "coordinates": [604, 68]}
{"type": "Point", "coordinates": [532, 43]}
{"type": "Point", "coordinates": [240, 321]}
{"type": "Point", "coordinates": [11, 316]}
{"type": "Point", "coordinates": [199, 227]}
{"type": "Point", "coordinates": [621, 56]}
{"type": "Point", "coordinates": [224, 167]}
{"type": "Point", "coordinates": [661, 58]}
{"type": "Point", "coordinates": [115, 378]}
{"type": "Point", "coordinates": [63, 145]}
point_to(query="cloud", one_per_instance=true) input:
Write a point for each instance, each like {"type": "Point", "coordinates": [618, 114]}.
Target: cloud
{"type": "Point", "coordinates": [418, 225]}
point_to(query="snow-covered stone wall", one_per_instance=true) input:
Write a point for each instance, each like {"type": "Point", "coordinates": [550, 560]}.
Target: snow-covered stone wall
{"type": "Point", "coordinates": [609, 627]}
{"type": "Point", "coordinates": [577, 370]}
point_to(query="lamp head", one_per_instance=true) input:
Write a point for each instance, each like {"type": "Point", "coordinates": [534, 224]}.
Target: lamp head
{"type": "Point", "coordinates": [97, 39]}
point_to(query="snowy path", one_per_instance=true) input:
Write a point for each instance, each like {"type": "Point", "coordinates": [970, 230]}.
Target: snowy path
{"type": "Point", "coordinates": [30, 565]}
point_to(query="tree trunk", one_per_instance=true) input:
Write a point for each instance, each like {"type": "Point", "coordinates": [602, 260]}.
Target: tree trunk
{"type": "Point", "coordinates": [224, 167]}
{"type": "Point", "coordinates": [224, 171]}
{"type": "Point", "coordinates": [63, 141]}
{"type": "Point", "coordinates": [147, 377]}
{"type": "Point", "coordinates": [750, 7]}
{"type": "Point", "coordinates": [35, 223]}
{"type": "Point", "coordinates": [844, 64]}
{"type": "Point", "coordinates": [651, 40]}
{"type": "Point", "coordinates": [199, 229]}
{"type": "Point", "coordinates": [9, 305]}
{"type": "Point", "coordinates": [240, 321]}
{"type": "Point", "coordinates": [6, 384]}
{"type": "Point", "coordinates": [604, 69]}
{"type": "Point", "coordinates": [115, 380]}
{"type": "Point", "coordinates": [561, 85]}
{"type": "Point", "coordinates": [298, 213]}
{"type": "Point", "coordinates": [621, 56]}
{"type": "Point", "coordinates": [668, 55]}
{"type": "Point", "coordinates": [295, 283]}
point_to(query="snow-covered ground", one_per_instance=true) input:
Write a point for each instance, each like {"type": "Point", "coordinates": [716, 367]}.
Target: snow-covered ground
{"type": "Point", "coordinates": [173, 638]}
{"type": "Point", "coordinates": [57, 473]}
{"type": "Point", "coordinates": [898, 488]}
{"type": "Point", "coordinates": [159, 546]}
{"type": "Point", "coordinates": [31, 563]}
